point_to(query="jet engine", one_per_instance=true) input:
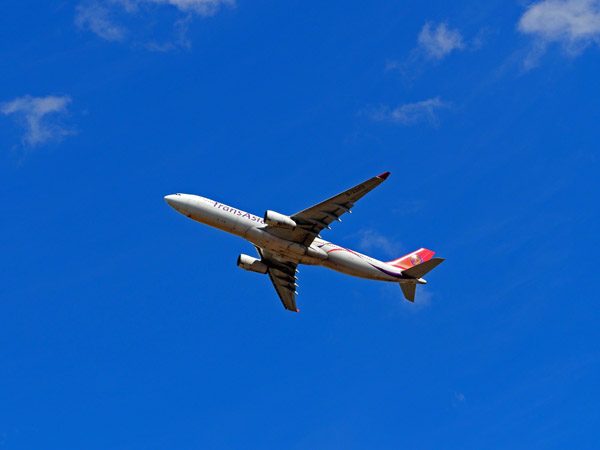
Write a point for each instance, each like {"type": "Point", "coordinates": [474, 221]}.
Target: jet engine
{"type": "Point", "coordinates": [252, 264]}
{"type": "Point", "coordinates": [279, 220]}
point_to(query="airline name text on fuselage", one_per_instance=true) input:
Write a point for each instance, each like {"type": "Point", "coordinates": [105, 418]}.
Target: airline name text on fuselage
{"type": "Point", "coordinates": [238, 212]}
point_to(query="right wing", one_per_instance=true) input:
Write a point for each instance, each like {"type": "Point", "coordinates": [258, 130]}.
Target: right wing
{"type": "Point", "coordinates": [283, 276]}
{"type": "Point", "coordinates": [313, 220]}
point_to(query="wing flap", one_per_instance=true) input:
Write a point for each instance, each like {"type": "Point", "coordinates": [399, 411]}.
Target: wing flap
{"type": "Point", "coordinates": [283, 276]}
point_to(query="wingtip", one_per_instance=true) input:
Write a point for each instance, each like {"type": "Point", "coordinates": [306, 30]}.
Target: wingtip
{"type": "Point", "coordinates": [384, 175]}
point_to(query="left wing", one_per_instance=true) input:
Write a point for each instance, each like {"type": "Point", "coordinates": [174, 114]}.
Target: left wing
{"type": "Point", "coordinates": [283, 276]}
{"type": "Point", "coordinates": [311, 221]}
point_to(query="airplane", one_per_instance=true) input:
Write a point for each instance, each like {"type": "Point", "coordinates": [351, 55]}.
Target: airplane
{"type": "Point", "coordinates": [283, 242]}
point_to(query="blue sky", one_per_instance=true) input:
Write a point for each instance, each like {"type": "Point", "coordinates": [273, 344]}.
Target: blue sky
{"type": "Point", "coordinates": [125, 326]}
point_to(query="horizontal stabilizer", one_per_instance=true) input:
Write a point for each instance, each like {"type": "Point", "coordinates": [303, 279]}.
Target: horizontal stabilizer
{"type": "Point", "coordinates": [421, 269]}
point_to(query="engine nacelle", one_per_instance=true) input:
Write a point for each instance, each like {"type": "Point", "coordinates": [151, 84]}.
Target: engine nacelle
{"type": "Point", "coordinates": [252, 264]}
{"type": "Point", "coordinates": [279, 220]}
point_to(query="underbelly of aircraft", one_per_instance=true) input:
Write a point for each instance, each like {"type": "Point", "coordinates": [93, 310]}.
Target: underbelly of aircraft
{"type": "Point", "coordinates": [351, 263]}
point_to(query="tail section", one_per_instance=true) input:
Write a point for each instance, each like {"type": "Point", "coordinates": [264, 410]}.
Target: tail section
{"type": "Point", "coordinates": [413, 276]}
{"type": "Point", "coordinates": [412, 259]}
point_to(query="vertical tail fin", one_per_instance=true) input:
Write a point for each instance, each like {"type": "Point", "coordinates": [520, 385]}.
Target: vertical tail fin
{"type": "Point", "coordinates": [412, 259]}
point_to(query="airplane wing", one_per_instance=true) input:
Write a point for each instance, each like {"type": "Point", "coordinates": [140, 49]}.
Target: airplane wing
{"type": "Point", "coordinates": [313, 220]}
{"type": "Point", "coordinates": [283, 276]}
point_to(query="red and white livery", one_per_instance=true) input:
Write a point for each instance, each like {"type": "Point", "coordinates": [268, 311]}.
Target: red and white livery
{"type": "Point", "coordinates": [283, 242]}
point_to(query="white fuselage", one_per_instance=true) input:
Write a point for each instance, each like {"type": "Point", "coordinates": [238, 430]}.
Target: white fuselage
{"type": "Point", "coordinates": [254, 229]}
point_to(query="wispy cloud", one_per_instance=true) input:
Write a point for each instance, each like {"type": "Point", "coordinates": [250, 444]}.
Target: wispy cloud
{"type": "Point", "coordinates": [438, 41]}
{"type": "Point", "coordinates": [435, 42]}
{"type": "Point", "coordinates": [373, 241]}
{"type": "Point", "coordinates": [408, 207]}
{"type": "Point", "coordinates": [392, 292]}
{"type": "Point", "coordinates": [200, 7]}
{"type": "Point", "coordinates": [458, 399]}
{"type": "Point", "coordinates": [40, 117]}
{"type": "Point", "coordinates": [97, 17]}
{"type": "Point", "coordinates": [412, 113]}
{"type": "Point", "coordinates": [574, 25]}
{"type": "Point", "coordinates": [112, 20]}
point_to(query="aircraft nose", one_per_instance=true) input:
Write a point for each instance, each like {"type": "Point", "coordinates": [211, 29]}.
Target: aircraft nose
{"type": "Point", "coordinates": [170, 199]}
{"type": "Point", "coordinates": [179, 202]}
{"type": "Point", "coordinates": [176, 201]}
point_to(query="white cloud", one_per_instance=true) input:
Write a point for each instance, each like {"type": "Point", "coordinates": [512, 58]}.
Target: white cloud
{"type": "Point", "coordinates": [200, 7]}
{"type": "Point", "coordinates": [39, 116]}
{"type": "Point", "coordinates": [435, 42]}
{"type": "Point", "coordinates": [572, 24]}
{"type": "Point", "coordinates": [371, 240]}
{"type": "Point", "coordinates": [438, 41]}
{"type": "Point", "coordinates": [458, 399]}
{"type": "Point", "coordinates": [97, 18]}
{"type": "Point", "coordinates": [412, 113]}
{"type": "Point", "coordinates": [105, 18]}
{"type": "Point", "coordinates": [393, 293]}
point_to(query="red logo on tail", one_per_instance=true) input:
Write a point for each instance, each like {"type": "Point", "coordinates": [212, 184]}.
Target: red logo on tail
{"type": "Point", "coordinates": [416, 259]}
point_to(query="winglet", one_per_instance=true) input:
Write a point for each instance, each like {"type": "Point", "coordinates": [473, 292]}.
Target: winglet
{"type": "Point", "coordinates": [384, 175]}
